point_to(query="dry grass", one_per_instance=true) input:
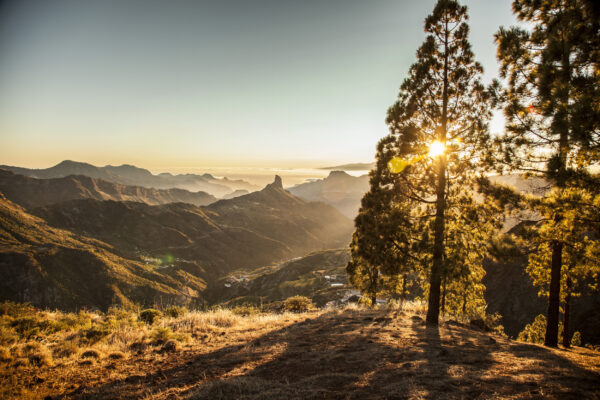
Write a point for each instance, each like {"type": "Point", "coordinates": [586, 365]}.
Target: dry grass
{"type": "Point", "coordinates": [352, 353]}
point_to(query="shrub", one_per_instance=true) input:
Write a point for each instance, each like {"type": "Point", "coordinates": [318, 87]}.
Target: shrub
{"type": "Point", "coordinates": [116, 355]}
{"type": "Point", "coordinates": [534, 332]}
{"type": "Point", "coordinates": [245, 310]}
{"type": "Point", "coordinates": [175, 311]}
{"type": "Point", "coordinates": [41, 358]}
{"type": "Point", "coordinates": [576, 339]}
{"type": "Point", "coordinates": [95, 334]}
{"type": "Point", "coordinates": [7, 336]}
{"type": "Point", "coordinates": [161, 335]}
{"type": "Point", "coordinates": [298, 304]}
{"type": "Point", "coordinates": [150, 315]}
{"type": "Point", "coordinates": [90, 353]}
{"type": "Point", "coordinates": [16, 309]}
{"type": "Point", "coordinates": [170, 346]}
{"type": "Point", "coordinates": [5, 355]}
{"type": "Point", "coordinates": [66, 349]}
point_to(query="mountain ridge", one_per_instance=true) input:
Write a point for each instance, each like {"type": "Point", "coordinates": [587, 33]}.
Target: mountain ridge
{"type": "Point", "coordinates": [135, 176]}
{"type": "Point", "coordinates": [33, 192]}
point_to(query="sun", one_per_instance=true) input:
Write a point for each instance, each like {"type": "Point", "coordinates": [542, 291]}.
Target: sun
{"type": "Point", "coordinates": [436, 149]}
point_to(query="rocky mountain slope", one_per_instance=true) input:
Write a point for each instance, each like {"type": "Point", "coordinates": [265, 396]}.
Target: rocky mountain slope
{"type": "Point", "coordinates": [33, 192]}
{"type": "Point", "coordinates": [339, 189]}
{"type": "Point", "coordinates": [135, 176]}
{"type": "Point", "coordinates": [52, 267]}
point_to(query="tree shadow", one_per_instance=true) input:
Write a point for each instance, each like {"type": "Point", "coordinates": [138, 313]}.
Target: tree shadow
{"type": "Point", "coordinates": [359, 355]}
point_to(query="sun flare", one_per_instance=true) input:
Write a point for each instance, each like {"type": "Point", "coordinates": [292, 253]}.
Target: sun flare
{"type": "Point", "coordinates": [436, 149]}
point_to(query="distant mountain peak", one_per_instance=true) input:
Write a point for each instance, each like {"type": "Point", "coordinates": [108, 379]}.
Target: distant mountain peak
{"type": "Point", "coordinates": [338, 173]}
{"type": "Point", "coordinates": [277, 183]}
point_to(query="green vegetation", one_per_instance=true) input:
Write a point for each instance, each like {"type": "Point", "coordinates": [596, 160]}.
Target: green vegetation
{"type": "Point", "coordinates": [431, 214]}
{"type": "Point", "coordinates": [150, 315]}
{"type": "Point", "coordinates": [420, 217]}
{"type": "Point", "coordinates": [298, 304]}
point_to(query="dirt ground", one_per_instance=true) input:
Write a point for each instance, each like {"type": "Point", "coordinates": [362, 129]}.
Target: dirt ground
{"type": "Point", "coordinates": [339, 354]}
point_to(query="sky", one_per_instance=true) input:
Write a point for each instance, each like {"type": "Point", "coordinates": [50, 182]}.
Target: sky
{"type": "Point", "coordinates": [184, 85]}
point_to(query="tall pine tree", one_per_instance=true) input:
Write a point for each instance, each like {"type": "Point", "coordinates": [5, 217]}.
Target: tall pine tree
{"type": "Point", "coordinates": [438, 132]}
{"type": "Point", "coordinates": [551, 104]}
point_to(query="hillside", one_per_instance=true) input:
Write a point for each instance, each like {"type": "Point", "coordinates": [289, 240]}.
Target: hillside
{"type": "Point", "coordinates": [348, 353]}
{"type": "Point", "coordinates": [339, 190]}
{"type": "Point", "coordinates": [175, 234]}
{"type": "Point", "coordinates": [311, 276]}
{"type": "Point", "coordinates": [302, 225]}
{"type": "Point", "coordinates": [32, 192]}
{"type": "Point", "coordinates": [248, 231]}
{"type": "Point", "coordinates": [55, 268]}
{"type": "Point", "coordinates": [135, 176]}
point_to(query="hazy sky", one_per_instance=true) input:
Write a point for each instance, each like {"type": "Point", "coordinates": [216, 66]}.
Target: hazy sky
{"type": "Point", "coordinates": [189, 84]}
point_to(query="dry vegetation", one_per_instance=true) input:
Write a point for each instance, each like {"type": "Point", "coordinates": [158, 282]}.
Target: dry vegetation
{"type": "Point", "coordinates": [223, 354]}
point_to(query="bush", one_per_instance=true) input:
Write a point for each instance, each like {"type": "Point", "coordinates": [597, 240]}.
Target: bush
{"type": "Point", "coordinates": [536, 331]}
{"type": "Point", "coordinates": [117, 355]}
{"type": "Point", "coordinates": [90, 353]}
{"type": "Point", "coordinates": [245, 310]}
{"type": "Point", "coordinates": [5, 355]}
{"type": "Point", "coordinates": [7, 336]}
{"type": "Point", "coordinates": [16, 309]}
{"type": "Point", "coordinates": [161, 335]}
{"type": "Point", "coordinates": [66, 349]}
{"type": "Point", "coordinates": [41, 358]}
{"type": "Point", "coordinates": [576, 339]}
{"type": "Point", "coordinates": [95, 334]}
{"type": "Point", "coordinates": [175, 311]}
{"type": "Point", "coordinates": [150, 315]}
{"type": "Point", "coordinates": [170, 346]}
{"type": "Point", "coordinates": [298, 304]}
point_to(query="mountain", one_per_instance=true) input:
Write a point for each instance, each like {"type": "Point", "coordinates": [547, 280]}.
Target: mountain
{"type": "Point", "coordinates": [52, 267]}
{"type": "Point", "coordinates": [32, 192]}
{"type": "Point", "coordinates": [274, 212]}
{"type": "Point", "coordinates": [245, 232]}
{"type": "Point", "coordinates": [237, 193]}
{"type": "Point", "coordinates": [339, 189]}
{"type": "Point", "coordinates": [135, 176]}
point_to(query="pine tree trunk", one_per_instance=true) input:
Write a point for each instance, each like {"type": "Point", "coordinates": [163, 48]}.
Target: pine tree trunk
{"type": "Point", "coordinates": [403, 297]}
{"type": "Point", "coordinates": [567, 317]}
{"type": "Point", "coordinates": [444, 297]}
{"type": "Point", "coordinates": [433, 306]}
{"type": "Point", "coordinates": [562, 121]}
{"type": "Point", "coordinates": [373, 296]}
{"type": "Point", "coordinates": [551, 339]}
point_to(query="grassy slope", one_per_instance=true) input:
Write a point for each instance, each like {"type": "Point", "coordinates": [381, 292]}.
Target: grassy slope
{"type": "Point", "coordinates": [336, 354]}
{"type": "Point", "coordinates": [53, 267]}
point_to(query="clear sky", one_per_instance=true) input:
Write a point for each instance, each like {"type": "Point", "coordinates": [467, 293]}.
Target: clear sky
{"type": "Point", "coordinates": [172, 85]}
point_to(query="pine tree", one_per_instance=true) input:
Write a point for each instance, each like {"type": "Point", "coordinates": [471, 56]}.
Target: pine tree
{"type": "Point", "coordinates": [377, 248]}
{"type": "Point", "coordinates": [442, 107]}
{"type": "Point", "coordinates": [580, 253]}
{"type": "Point", "coordinates": [419, 214]}
{"type": "Point", "coordinates": [551, 104]}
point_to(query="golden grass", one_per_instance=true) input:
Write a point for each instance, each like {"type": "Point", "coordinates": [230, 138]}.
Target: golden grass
{"type": "Point", "coordinates": [349, 352]}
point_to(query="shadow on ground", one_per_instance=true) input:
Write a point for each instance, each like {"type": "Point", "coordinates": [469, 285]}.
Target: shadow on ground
{"type": "Point", "coordinates": [364, 355]}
